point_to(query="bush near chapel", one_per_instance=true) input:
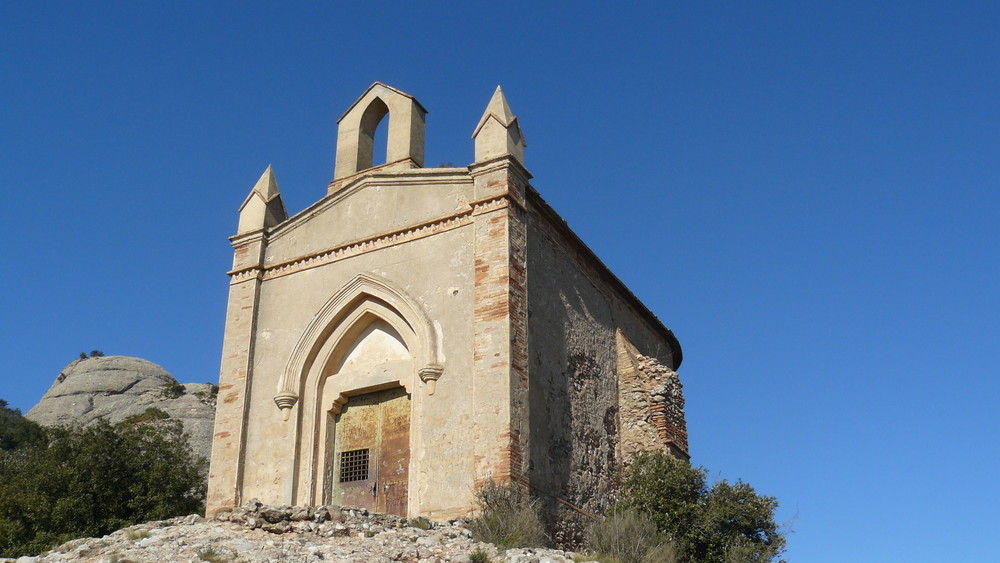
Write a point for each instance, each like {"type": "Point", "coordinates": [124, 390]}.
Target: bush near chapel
{"type": "Point", "coordinates": [508, 517]}
{"type": "Point", "coordinates": [90, 482]}
{"type": "Point", "coordinates": [727, 522]}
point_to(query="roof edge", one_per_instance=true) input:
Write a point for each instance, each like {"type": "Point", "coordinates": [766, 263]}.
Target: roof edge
{"type": "Point", "coordinates": [382, 84]}
{"type": "Point", "coordinates": [560, 224]}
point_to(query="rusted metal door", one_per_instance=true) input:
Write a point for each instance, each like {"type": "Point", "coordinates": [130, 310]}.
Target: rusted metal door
{"type": "Point", "coordinates": [372, 452]}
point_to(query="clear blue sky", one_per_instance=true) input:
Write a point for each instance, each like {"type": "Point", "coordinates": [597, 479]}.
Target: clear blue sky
{"type": "Point", "coordinates": [806, 194]}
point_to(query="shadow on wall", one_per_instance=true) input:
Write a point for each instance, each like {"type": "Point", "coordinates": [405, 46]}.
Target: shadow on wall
{"type": "Point", "coordinates": [573, 393]}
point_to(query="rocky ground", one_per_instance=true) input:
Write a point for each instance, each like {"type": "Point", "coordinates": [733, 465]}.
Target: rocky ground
{"type": "Point", "coordinates": [259, 533]}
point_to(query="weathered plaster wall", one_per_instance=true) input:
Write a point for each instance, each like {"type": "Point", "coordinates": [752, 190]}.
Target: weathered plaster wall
{"type": "Point", "coordinates": [500, 328]}
{"type": "Point", "coordinates": [573, 396]}
{"type": "Point", "coordinates": [371, 206]}
{"type": "Point", "coordinates": [235, 378]}
{"type": "Point", "coordinates": [574, 419]}
{"type": "Point", "coordinates": [436, 272]}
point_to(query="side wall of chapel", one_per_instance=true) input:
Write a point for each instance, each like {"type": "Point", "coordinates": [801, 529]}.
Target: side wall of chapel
{"type": "Point", "coordinates": [579, 423]}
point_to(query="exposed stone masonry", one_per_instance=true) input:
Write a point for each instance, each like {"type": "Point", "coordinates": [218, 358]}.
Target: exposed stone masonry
{"type": "Point", "coordinates": [651, 402]}
{"type": "Point", "coordinates": [666, 403]}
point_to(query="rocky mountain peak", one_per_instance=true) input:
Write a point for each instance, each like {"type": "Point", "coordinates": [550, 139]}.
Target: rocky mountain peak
{"type": "Point", "coordinates": [114, 388]}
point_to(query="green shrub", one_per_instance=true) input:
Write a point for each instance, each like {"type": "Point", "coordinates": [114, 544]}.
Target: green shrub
{"type": "Point", "coordinates": [479, 556]}
{"type": "Point", "coordinates": [90, 482]}
{"type": "Point", "coordinates": [151, 414]}
{"type": "Point", "coordinates": [508, 517]}
{"type": "Point", "coordinates": [172, 390]}
{"type": "Point", "coordinates": [420, 523]}
{"type": "Point", "coordinates": [17, 431]}
{"type": "Point", "coordinates": [210, 396]}
{"type": "Point", "coordinates": [628, 536]}
{"type": "Point", "coordinates": [727, 522]}
{"type": "Point", "coordinates": [666, 489]}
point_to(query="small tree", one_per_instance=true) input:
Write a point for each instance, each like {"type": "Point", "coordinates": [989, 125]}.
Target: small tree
{"type": "Point", "coordinates": [724, 523]}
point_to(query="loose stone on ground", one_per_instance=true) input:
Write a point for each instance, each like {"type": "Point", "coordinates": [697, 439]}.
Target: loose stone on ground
{"type": "Point", "coordinates": [258, 533]}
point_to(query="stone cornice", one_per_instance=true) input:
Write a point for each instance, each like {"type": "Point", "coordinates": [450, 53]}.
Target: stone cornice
{"type": "Point", "coordinates": [401, 165]}
{"type": "Point", "coordinates": [250, 237]}
{"type": "Point", "coordinates": [499, 163]}
{"type": "Point", "coordinates": [426, 229]}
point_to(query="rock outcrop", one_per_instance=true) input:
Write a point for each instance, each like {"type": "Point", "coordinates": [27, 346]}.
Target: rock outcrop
{"type": "Point", "coordinates": [256, 533]}
{"type": "Point", "coordinates": [114, 388]}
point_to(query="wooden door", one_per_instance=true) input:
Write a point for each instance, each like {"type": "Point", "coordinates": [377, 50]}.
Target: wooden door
{"type": "Point", "coordinates": [372, 452]}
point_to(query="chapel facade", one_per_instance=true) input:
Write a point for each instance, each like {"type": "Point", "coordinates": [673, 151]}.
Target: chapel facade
{"type": "Point", "coordinates": [419, 330]}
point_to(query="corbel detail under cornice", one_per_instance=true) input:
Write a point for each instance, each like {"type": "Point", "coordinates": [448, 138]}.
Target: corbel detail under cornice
{"type": "Point", "coordinates": [246, 274]}
{"type": "Point", "coordinates": [429, 374]}
{"type": "Point", "coordinates": [285, 401]}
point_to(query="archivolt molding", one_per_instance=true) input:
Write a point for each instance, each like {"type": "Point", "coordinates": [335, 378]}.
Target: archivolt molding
{"type": "Point", "coordinates": [363, 296]}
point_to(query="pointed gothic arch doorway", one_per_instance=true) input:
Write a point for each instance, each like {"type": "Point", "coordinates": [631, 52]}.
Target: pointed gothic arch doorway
{"type": "Point", "coordinates": [369, 338]}
{"type": "Point", "coordinates": [366, 451]}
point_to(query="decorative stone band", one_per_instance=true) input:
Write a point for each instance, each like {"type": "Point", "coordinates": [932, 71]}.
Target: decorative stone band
{"type": "Point", "coordinates": [362, 246]}
{"type": "Point", "coordinates": [247, 274]}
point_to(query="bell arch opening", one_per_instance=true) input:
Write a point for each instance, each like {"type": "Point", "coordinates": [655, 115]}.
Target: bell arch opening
{"type": "Point", "coordinates": [361, 129]}
{"type": "Point", "coordinates": [372, 135]}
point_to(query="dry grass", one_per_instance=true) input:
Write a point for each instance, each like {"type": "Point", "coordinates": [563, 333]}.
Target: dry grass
{"type": "Point", "coordinates": [508, 518]}
{"type": "Point", "coordinates": [628, 536]}
{"type": "Point", "coordinates": [137, 533]}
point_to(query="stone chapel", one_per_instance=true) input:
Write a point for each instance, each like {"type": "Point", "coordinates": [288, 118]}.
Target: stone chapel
{"type": "Point", "coordinates": [417, 331]}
